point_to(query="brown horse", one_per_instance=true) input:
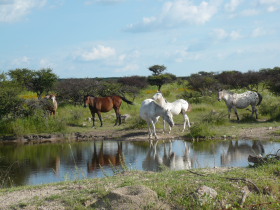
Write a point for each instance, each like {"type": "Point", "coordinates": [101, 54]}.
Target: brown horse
{"type": "Point", "coordinates": [106, 157]}
{"type": "Point", "coordinates": [105, 104]}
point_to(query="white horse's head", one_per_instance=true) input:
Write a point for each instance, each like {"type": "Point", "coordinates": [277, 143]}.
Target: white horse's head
{"type": "Point", "coordinates": [158, 96]}
{"type": "Point", "coordinates": [168, 117]}
{"type": "Point", "coordinates": [221, 94]}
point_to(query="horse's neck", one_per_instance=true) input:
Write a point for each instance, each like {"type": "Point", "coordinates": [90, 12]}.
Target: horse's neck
{"type": "Point", "coordinates": [159, 110]}
{"type": "Point", "coordinates": [161, 101]}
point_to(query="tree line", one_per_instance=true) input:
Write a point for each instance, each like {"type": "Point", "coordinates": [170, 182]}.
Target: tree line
{"type": "Point", "coordinates": [71, 91]}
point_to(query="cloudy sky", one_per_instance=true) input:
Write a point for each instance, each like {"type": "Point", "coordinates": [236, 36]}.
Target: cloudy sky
{"type": "Point", "coordinates": [104, 38]}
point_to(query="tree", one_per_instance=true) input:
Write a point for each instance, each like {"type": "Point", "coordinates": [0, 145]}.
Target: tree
{"type": "Point", "coordinates": [43, 81]}
{"type": "Point", "coordinates": [37, 81]}
{"type": "Point", "coordinates": [22, 77]}
{"type": "Point", "coordinates": [230, 79]}
{"type": "Point", "coordinates": [272, 79]}
{"type": "Point", "coordinates": [203, 82]}
{"type": "Point", "coordinates": [157, 69]}
{"type": "Point", "coordinates": [161, 79]}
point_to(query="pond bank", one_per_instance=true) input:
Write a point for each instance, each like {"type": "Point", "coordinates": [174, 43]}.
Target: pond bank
{"type": "Point", "coordinates": [116, 133]}
{"type": "Point", "coordinates": [232, 187]}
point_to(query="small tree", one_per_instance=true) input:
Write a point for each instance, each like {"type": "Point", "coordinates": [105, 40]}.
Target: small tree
{"type": "Point", "coordinates": [157, 69]}
{"type": "Point", "coordinates": [158, 79]}
{"type": "Point", "coordinates": [37, 81]}
{"type": "Point", "coordinates": [43, 81]}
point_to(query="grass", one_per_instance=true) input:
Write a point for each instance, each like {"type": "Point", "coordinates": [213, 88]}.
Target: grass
{"type": "Point", "coordinates": [207, 115]}
{"type": "Point", "coordinates": [227, 183]}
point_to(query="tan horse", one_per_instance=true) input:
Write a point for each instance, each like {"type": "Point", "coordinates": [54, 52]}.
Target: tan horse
{"type": "Point", "coordinates": [52, 107]}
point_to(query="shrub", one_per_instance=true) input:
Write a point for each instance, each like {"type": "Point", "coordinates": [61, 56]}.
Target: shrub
{"type": "Point", "coordinates": [201, 130]}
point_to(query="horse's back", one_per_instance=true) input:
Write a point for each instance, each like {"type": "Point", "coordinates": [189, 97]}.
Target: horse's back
{"type": "Point", "coordinates": [245, 99]}
{"type": "Point", "coordinates": [103, 104]}
{"type": "Point", "coordinates": [178, 106]}
{"type": "Point", "coordinates": [147, 110]}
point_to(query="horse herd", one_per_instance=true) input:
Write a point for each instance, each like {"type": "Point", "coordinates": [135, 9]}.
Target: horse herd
{"type": "Point", "coordinates": [157, 106]}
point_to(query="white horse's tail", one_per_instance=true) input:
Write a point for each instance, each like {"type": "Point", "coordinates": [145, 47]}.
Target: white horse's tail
{"type": "Point", "coordinates": [189, 108]}
{"type": "Point", "coordinates": [260, 99]}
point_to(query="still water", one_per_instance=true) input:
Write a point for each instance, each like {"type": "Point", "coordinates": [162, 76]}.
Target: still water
{"type": "Point", "coordinates": [46, 163]}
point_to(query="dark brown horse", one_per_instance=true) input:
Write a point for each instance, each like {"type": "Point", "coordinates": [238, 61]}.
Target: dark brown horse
{"type": "Point", "coordinates": [104, 104]}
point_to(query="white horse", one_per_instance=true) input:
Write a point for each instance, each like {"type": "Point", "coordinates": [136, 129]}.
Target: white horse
{"type": "Point", "coordinates": [176, 107]}
{"type": "Point", "coordinates": [241, 101]}
{"type": "Point", "coordinates": [177, 162]}
{"type": "Point", "coordinates": [150, 112]}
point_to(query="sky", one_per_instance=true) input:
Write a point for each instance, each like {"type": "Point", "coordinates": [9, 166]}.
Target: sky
{"type": "Point", "coordinates": [117, 38]}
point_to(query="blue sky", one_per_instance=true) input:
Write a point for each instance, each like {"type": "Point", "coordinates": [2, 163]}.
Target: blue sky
{"type": "Point", "coordinates": [105, 38]}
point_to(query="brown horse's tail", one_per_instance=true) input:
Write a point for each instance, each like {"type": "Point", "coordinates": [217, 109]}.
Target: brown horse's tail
{"type": "Point", "coordinates": [260, 98]}
{"type": "Point", "coordinates": [127, 101]}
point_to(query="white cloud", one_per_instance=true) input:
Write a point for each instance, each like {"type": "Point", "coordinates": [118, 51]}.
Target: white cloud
{"type": "Point", "coordinates": [23, 61]}
{"type": "Point", "coordinates": [14, 10]}
{"type": "Point", "coordinates": [250, 12]}
{"type": "Point", "coordinates": [178, 12]}
{"type": "Point", "coordinates": [96, 53]}
{"type": "Point", "coordinates": [222, 34]}
{"type": "Point", "coordinates": [128, 68]}
{"type": "Point", "coordinates": [45, 63]}
{"type": "Point", "coordinates": [232, 5]}
{"type": "Point", "coordinates": [258, 32]}
{"type": "Point", "coordinates": [271, 5]}
{"type": "Point", "coordinates": [89, 2]}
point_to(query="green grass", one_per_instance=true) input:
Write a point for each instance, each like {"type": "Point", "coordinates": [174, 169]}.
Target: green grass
{"type": "Point", "coordinates": [175, 188]}
{"type": "Point", "coordinates": [207, 114]}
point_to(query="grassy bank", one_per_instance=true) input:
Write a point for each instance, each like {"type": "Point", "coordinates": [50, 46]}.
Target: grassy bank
{"type": "Point", "coordinates": [176, 189]}
{"type": "Point", "coordinates": [208, 116]}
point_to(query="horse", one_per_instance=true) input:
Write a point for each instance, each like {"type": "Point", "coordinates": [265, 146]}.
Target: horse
{"type": "Point", "coordinates": [52, 108]}
{"type": "Point", "coordinates": [155, 159]}
{"type": "Point", "coordinates": [176, 107]}
{"type": "Point", "coordinates": [150, 111]}
{"type": "Point", "coordinates": [241, 101]}
{"type": "Point", "coordinates": [112, 156]}
{"type": "Point", "coordinates": [241, 151]}
{"type": "Point", "coordinates": [105, 104]}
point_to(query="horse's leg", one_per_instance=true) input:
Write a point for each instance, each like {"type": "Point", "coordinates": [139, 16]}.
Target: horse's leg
{"type": "Point", "coordinates": [186, 119]}
{"type": "Point", "coordinates": [154, 129]}
{"type": "Point", "coordinates": [255, 110]}
{"type": "Point", "coordinates": [100, 118]}
{"type": "Point", "coordinates": [163, 125]}
{"type": "Point", "coordinates": [149, 130]}
{"type": "Point", "coordinates": [229, 111]}
{"type": "Point", "coordinates": [118, 116]}
{"type": "Point", "coordinates": [93, 118]}
{"type": "Point", "coordinates": [236, 113]}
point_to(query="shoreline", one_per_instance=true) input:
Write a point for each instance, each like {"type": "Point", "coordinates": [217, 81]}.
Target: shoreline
{"type": "Point", "coordinates": [258, 133]}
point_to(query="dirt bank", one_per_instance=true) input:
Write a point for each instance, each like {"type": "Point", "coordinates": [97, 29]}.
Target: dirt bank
{"type": "Point", "coordinates": [119, 133]}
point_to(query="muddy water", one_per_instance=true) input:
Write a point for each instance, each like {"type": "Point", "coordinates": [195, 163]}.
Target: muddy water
{"type": "Point", "coordinates": [38, 164]}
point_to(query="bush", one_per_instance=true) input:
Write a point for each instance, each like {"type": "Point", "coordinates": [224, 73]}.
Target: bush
{"type": "Point", "coordinates": [201, 130]}
{"type": "Point", "coordinates": [270, 106]}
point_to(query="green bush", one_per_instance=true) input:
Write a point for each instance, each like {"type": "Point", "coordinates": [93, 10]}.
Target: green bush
{"type": "Point", "coordinates": [201, 130]}
{"type": "Point", "coordinates": [270, 106]}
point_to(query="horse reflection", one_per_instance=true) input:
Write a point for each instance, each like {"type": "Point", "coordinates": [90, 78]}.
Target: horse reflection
{"type": "Point", "coordinates": [105, 157]}
{"type": "Point", "coordinates": [241, 151]}
{"type": "Point", "coordinates": [154, 161]}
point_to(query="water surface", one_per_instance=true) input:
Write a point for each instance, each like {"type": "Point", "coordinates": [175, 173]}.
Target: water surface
{"type": "Point", "coordinates": [46, 163]}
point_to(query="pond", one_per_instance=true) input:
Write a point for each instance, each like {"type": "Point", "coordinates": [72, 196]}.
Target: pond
{"type": "Point", "coordinates": [47, 163]}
